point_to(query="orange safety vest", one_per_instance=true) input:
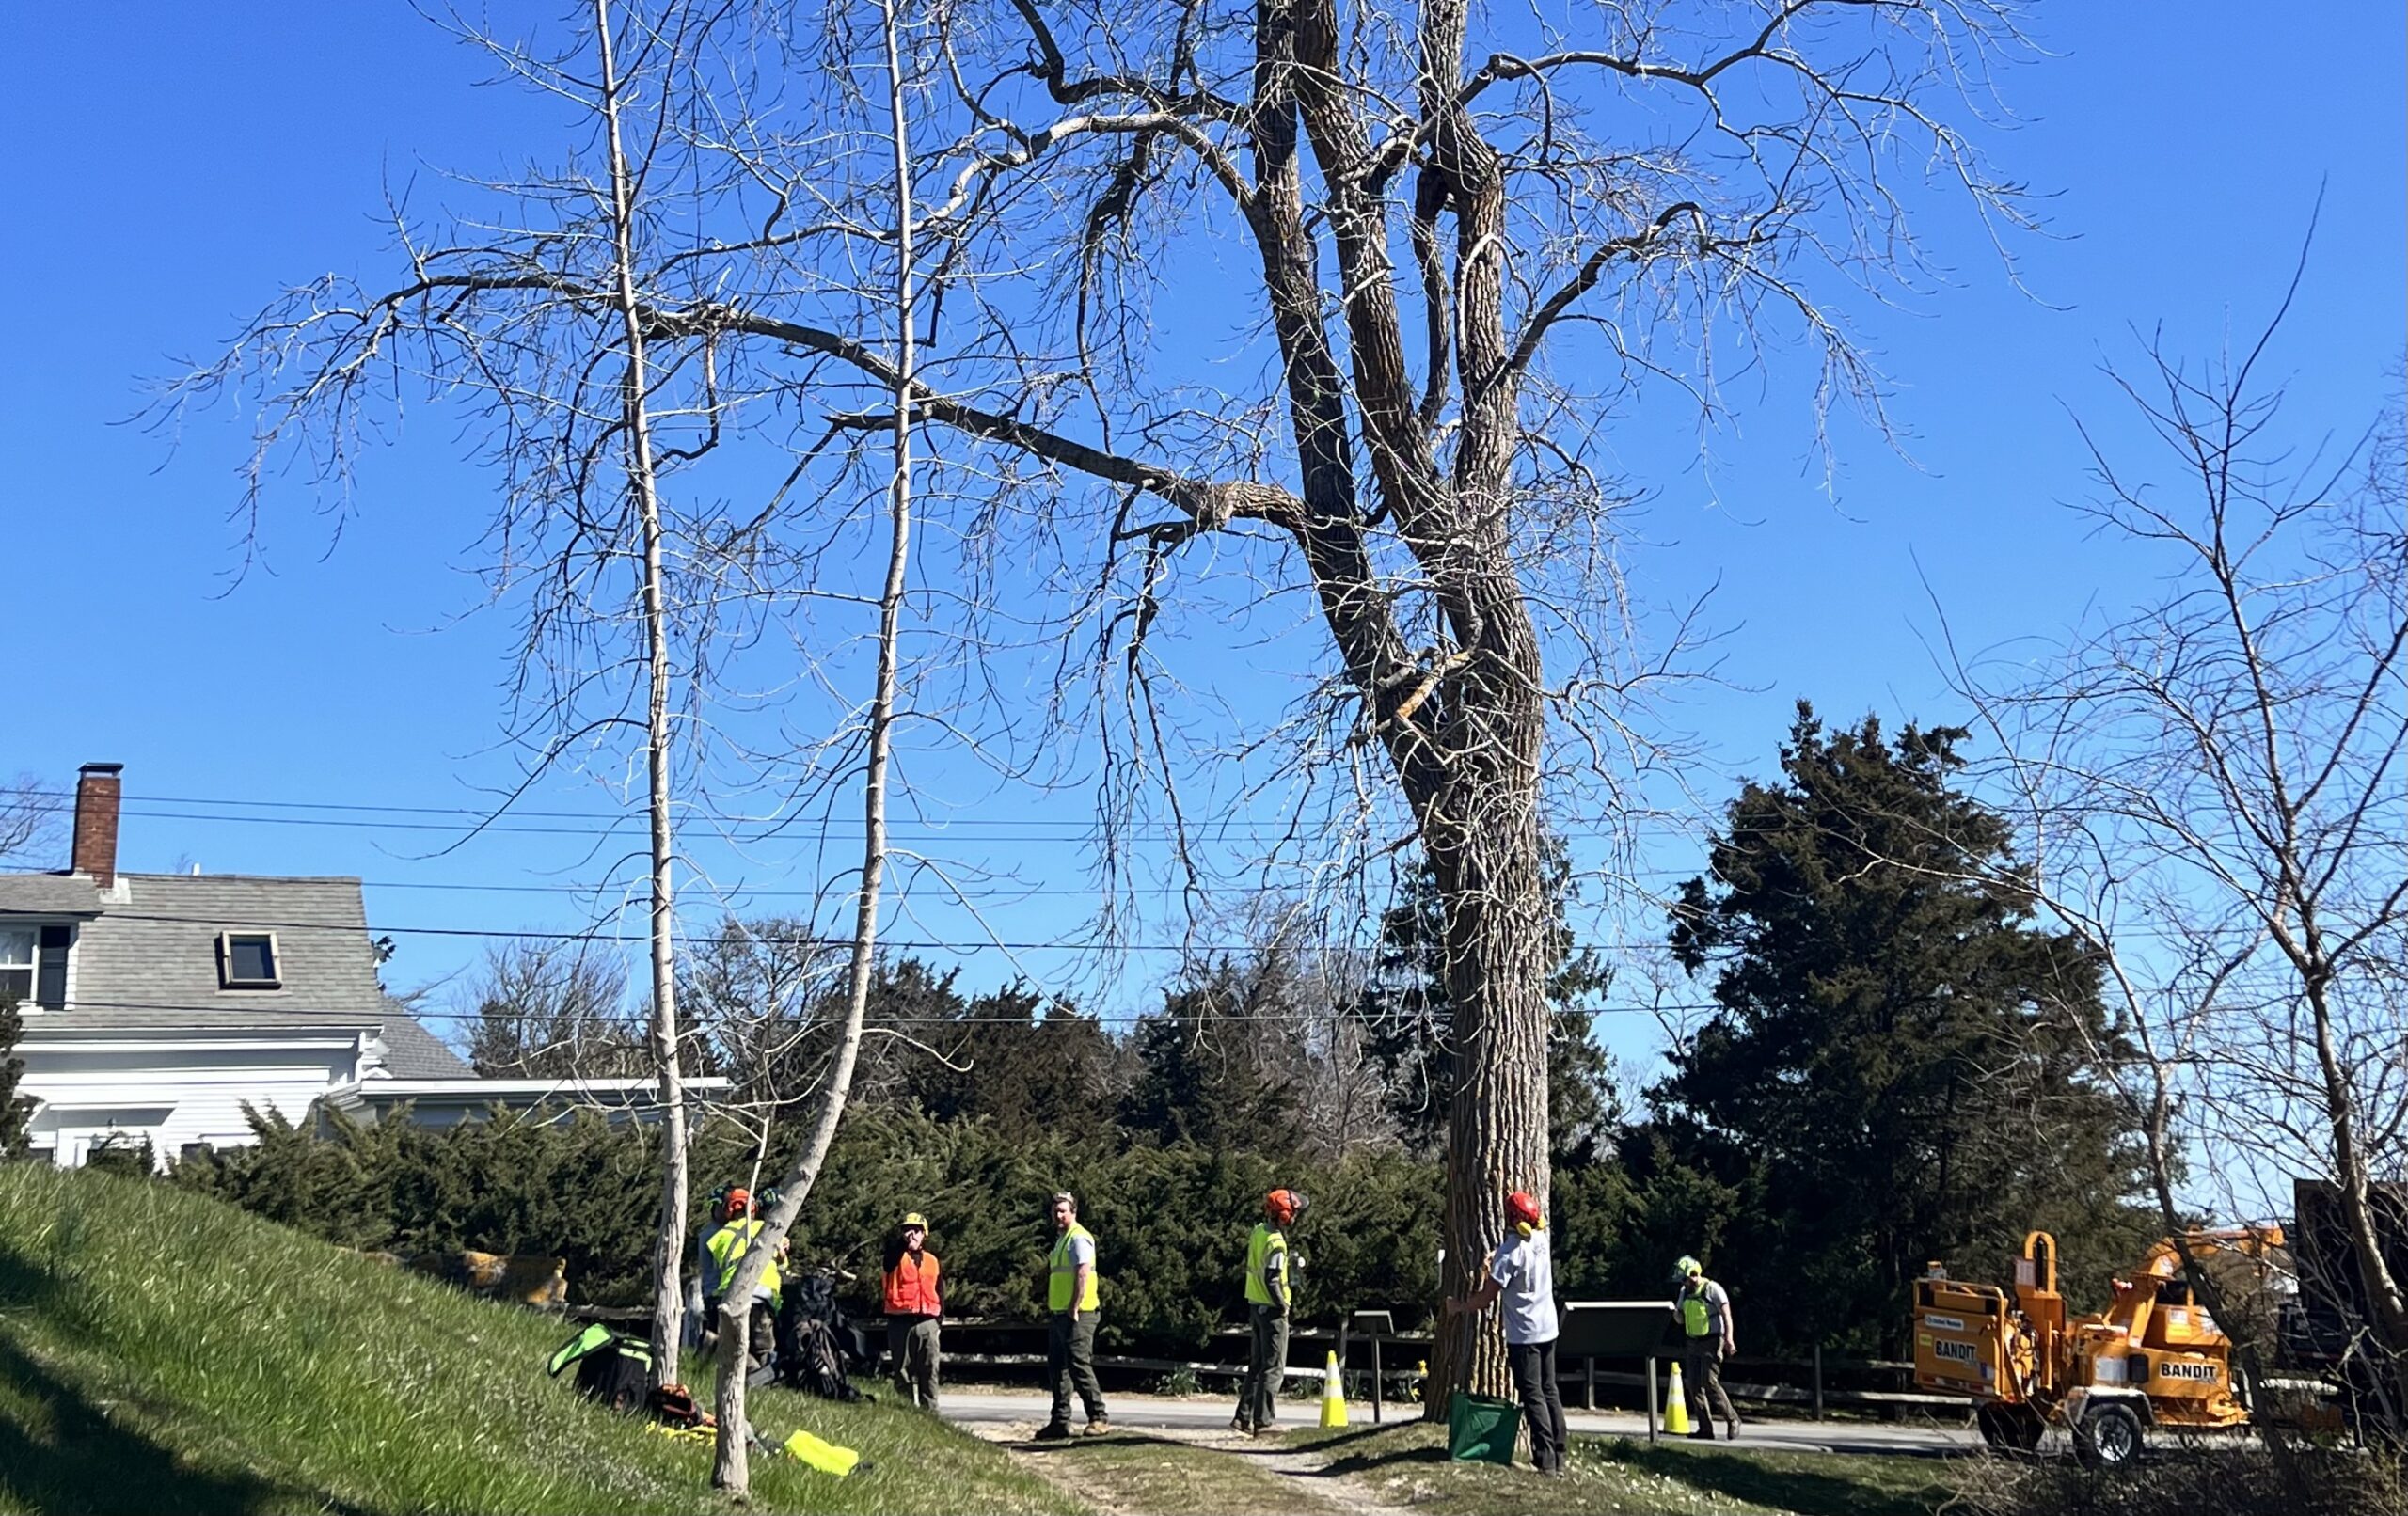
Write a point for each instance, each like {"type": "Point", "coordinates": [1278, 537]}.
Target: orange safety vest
{"type": "Point", "coordinates": [911, 1288]}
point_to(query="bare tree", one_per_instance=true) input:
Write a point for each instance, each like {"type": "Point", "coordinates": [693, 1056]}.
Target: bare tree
{"type": "Point", "coordinates": [534, 310]}
{"type": "Point", "coordinates": [553, 1010]}
{"type": "Point", "coordinates": [643, 485]}
{"type": "Point", "coordinates": [2214, 787]}
{"type": "Point", "coordinates": [29, 814]}
{"type": "Point", "coordinates": [1453, 260]}
{"type": "Point", "coordinates": [1654, 186]}
{"type": "Point", "coordinates": [729, 1467]}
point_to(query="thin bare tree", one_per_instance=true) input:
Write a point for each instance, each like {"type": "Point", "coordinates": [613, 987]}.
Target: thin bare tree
{"type": "Point", "coordinates": [644, 484]}
{"type": "Point", "coordinates": [730, 1468]}
{"type": "Point", "coordinates": [533, 309]}
{"type": "Point", "coordinates": [2216, 787]}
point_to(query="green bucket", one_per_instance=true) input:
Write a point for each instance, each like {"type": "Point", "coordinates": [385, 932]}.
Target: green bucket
{"type": "Point", "coordinates": [1481, 1431]}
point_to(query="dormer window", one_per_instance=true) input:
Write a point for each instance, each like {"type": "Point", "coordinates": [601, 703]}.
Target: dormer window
{"type": "Point", "coordinates": [247, 960]}
{"type": "Point", "coordinates": [32, 964]}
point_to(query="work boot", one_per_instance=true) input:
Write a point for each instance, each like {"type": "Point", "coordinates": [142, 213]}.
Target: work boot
{"type": "Point", "coordinates": [1053, 1432]}
{"type": "Point", "coordinates": [1098, 1427]}
{"type": "Point", "coordinates": [1731, 1428]}
{"type": "Point", "coordinates": [1241, 1426]}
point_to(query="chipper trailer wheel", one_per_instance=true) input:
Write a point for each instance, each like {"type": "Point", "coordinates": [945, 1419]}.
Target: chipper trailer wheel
{"type": "Point", "coordinates": [2109, 1436]}
{"type": "Point", "coordinates": [2009, 1428]}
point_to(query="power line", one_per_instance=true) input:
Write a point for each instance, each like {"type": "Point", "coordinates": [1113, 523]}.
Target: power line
{"type": "Point", "coordinates": [606, 823]}
{"type": "Point", "coordinates": [335, 1019]}
{"type": "Point", "coordinates": [765, 939]}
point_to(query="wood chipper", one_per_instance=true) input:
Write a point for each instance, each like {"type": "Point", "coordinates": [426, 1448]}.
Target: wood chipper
{"type": "Point", "coordinates": [2154, 1358]}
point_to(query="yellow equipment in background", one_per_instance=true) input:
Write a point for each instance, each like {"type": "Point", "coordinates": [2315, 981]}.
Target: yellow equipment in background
{"type": "Point", "coordinates": [2154, 1358]}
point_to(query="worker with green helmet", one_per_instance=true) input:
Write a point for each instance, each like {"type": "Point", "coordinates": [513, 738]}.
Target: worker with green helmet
{"type": "Point", "coordinates": [1073, 1303]}
{"type": "Point", "coordinates": [1707, 1339]}
{"type": "Point", "coordinates": [1267, 1297]}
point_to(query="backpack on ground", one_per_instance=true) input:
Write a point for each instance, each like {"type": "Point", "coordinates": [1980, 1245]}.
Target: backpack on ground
{"type": "Point", "coordinates": [818, 1345]}
{"type": "Point", "coordinates": [613, 1371]}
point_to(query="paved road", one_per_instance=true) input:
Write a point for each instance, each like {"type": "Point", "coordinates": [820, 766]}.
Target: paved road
{"type": "Point", "coordinates": [997, 1409]}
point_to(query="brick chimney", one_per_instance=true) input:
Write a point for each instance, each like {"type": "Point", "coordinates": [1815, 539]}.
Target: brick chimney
{"type": "Point", "coordinates": [96, 797]}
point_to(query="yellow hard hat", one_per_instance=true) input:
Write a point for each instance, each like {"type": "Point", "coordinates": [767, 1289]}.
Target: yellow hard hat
{"type": "Point", "coordinates": [915, 1219]}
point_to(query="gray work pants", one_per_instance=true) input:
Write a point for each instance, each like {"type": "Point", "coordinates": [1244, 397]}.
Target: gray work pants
{"type": "Point", "coordinates": [911, 1341]}
{"type": "Point", "coordinates": [1533, 1367]}
{"type": "Point", "coordinates": [1070, 1362]}
{"type": "Point", "coordinates": [1266, 1367]}
{"type": "Point", "coordinates": [1702, 1367]}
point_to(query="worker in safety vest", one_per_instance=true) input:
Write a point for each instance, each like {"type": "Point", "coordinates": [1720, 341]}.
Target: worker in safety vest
{"type": "Point", "coordinates": [726, 1248]}
{"type": "Point", "coordinates": [1267, 1299]}
{"type": "Point", "coordinates": [701, 1324]}
{"type": "Point", "coordinates": [1707, 1341]}
{"type": "Point", "coordinates": [914, 1302]}
{"type": "Point", "coordinates": [1075, 1301]}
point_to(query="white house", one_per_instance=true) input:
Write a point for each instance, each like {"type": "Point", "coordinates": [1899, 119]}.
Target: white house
{"type": "Point", "coordinates": [158, 1006]}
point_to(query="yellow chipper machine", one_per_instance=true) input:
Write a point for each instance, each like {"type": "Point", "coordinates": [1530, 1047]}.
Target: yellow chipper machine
{"type": "Point", "coordinates": [2153, 1359]}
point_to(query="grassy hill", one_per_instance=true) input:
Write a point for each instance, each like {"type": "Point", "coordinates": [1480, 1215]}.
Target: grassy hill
{"type": "Point", "coordinates": [160, 1351]}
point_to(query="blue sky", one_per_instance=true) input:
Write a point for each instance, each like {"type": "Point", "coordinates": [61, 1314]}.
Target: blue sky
{"type": "Point", "coordinates": [174, 167]}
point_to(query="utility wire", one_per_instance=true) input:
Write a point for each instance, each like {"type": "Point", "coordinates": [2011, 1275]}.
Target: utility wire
{"type": "Point", "coordinates": [766, 939]}
{"type": "Point", "coordinates": [634, 1018]}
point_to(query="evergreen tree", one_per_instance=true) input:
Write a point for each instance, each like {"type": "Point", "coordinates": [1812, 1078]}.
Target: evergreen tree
{"type": "Point", "coordinates": [1410, 1020]}
{"type": "Point", "coordinates": [16, 1111]}
{"type": "Point", "coordinates": [1009, 1057]}
{"type": "Point", "coordinates": [1210, 1068]}
{"type": "Point", "coordinates": [1900, 1065]}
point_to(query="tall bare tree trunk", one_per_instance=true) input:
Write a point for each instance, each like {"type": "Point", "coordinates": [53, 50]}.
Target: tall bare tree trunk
{"type": "Point", "coordinates": [668, 1242]}
{"type": "Point", "coordinates": [730, 1469]}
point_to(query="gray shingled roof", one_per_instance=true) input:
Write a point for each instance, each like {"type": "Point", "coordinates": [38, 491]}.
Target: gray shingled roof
{"type": "Point", "coordinates": [49, 895]}
{"type": "Point", "coordinates": [413, 1053]}
{"type": "Point", "coordinates": [149, 962]}
{"type": "Point", "coordinates": [157, 950]}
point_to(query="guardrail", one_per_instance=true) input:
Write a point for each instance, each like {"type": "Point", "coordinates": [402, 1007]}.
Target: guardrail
{"type": "Point", "coordinates": [1797, 1382]}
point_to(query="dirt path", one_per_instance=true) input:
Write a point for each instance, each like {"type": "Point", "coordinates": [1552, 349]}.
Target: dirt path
{"type": "Point", "coordinates": [1184, 1471]}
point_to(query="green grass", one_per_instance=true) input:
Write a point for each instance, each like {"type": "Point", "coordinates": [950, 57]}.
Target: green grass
{"type": "Point", "coordinates": [160, 1351]}
{"type": "Point", "coordinates": [1407, 1464]}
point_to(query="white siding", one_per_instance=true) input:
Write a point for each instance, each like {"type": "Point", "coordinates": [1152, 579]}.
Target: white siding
{"type": "Point", "coordinates": [188, 1094]}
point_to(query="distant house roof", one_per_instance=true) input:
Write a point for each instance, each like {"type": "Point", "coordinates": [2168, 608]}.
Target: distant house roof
{"type": "Point", "coordinates": [411, 1051]}
{"type": "Point", "coordinates": [147, 959]}
{"type": "Point", "coordinates": [49, 895]}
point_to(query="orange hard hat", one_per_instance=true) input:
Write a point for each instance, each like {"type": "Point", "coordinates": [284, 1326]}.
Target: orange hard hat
{"type": "Point", "coordinates": [740, 1202]}
{"type": "Point", "coordinates": [1285, 1206]}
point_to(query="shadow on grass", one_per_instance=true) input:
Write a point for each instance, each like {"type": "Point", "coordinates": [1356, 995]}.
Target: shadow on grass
{"type": "Point", "coordinates": [1348, 1455]}
{"type": "Point", "coordinates": [82, 1462]}
{"type": "Point", "coordinates": [61, 1455]}
{"type": "Point", "coordinates": [1784, 1486]}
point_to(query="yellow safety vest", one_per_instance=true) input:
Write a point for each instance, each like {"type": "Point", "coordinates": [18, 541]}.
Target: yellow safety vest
{"type": "Point", "coordinates": [1258, 1251]}
{"type": "Point", "coordinates": [1062, 1276]}
{"type": "Point", "coordinates": [1694, 1317]}
{"type": "Point", "coordinates": [727, 1248]}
